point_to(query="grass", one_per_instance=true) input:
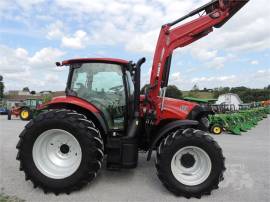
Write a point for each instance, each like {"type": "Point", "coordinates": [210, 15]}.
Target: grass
{"type": "Point", "coordinates": [204, 95]}
{"type": "Point", "coordinates": [5, 198]}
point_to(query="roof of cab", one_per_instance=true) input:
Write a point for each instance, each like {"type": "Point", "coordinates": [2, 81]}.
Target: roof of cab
{"type": "Point", "coordinates": [82, 60]}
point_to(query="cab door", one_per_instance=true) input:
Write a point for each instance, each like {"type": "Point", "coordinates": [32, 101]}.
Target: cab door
{"type": "Point", "coordinates": [102, 84]}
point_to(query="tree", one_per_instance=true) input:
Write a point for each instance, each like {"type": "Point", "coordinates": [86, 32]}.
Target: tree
{"type": "Point", "coordinates": [2, 87]}
{"type": "Point", "coordinates": [204, 89]}
{"type": "Point", "coordinates": [26, 89]}
{"type": "Point", "coordinates": [173, 92]}
{"type": "Point", "coordinates": [47, 98]}
{"type": "Point", "coordinates": [144, 87]}
{"type": "Point", "coordinates": [239, 89]}
{"type": "Point", "coordinates": [195, 88]}
{"type": "Point", "coordinates": [247, 95]}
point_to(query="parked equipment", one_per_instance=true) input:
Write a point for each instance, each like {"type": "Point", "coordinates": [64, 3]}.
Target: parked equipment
{"type": "Point", "coordinates": [3, 111]}
{"type": "Point", "coordinates": [237, 122]}
{"type": "Point", "coordinates": [25, 111]}
{"type": "Point", "coordinates": [62, 149]}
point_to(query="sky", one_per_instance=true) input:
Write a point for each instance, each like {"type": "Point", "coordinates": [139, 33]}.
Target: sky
{"type": "Point", "coordinates": [34, 34]}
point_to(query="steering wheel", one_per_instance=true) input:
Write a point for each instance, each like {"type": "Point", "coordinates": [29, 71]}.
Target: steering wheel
{"type": "Point", "coordinates": [116, 88]}
{"type": "Point", "coordinates": [80, 86]}
{"type": "Point", "coordinates": [98, 103]}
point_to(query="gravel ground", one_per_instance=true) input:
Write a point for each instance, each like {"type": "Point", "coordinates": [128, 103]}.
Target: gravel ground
{"type": "Point", "coordinates": [247, 177]}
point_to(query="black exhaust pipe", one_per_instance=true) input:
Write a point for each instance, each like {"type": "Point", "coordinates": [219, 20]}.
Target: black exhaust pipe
{"type": "Point", "coordinates": [137, 84]}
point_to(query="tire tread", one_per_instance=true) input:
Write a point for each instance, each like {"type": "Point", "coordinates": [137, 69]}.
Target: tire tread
{"type": "Point", "coordinates": [187, 134]}
{"type": "Point", "coordinates": [85, 126]}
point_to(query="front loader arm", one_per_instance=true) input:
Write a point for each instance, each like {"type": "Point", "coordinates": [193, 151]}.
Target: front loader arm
{"type": "Point", "coordinates": [214, 14]}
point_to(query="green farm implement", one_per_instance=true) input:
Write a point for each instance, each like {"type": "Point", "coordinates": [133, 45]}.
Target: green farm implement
{"type": "Point", "coordinates": [238, 121]}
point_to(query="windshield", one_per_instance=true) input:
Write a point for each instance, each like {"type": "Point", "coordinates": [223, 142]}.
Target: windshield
{"type": "Point", "coordinates": [102, 85]}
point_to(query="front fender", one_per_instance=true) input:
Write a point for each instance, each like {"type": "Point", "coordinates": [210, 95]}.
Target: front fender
{"type": "Point", "coordinates": [199, 111]}
{"type": "Point", "coordinates": [167, 128]}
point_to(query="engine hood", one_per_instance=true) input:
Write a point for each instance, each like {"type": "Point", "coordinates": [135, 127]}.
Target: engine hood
{"type": "Point", "coordinates": [176, 109]}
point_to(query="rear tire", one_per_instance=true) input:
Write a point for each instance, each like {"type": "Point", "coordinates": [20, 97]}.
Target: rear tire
{"type": "Point", "coordinates": [190, 163]}
{"type": "Point", "coordinates": [79, 144]}
{"type": "Point", "coordinates": [9, 115]}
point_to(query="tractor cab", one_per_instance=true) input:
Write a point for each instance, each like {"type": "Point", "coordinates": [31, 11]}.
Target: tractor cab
{"type": "Point", "coordinates": [105, 83]}
{"type": "Point", "coordinates": [32, 103]}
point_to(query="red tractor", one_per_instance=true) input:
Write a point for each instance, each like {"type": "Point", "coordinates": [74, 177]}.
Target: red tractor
{"type": "Point", "coordinates": [103, 113]}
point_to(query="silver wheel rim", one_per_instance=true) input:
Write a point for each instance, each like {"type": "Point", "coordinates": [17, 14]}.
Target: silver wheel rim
{"type": "Point", "coordinates": [193, 174]}
{"type": "Point", "coordinates": [57, 154]}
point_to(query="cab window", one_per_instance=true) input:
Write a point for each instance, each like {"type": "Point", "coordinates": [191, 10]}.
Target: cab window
{"type": "Point", "coordinates": [102, 85]}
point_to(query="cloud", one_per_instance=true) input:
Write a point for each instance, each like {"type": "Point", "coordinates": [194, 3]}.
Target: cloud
{"type": "Point", "coordinates": [29, 3]}
{"type": "Point", "coordinates": [79, 40]}
{"type": "Point", "coordinates": [220, 78]}
{"type": "Point", "coordinates": [25, 5]}
{"type": "Point", "coordinates": [262, 75]}
{"type": "Point", "coordinates": [138, 42]}
{"type": "Point", "coordinates": [176, 76]}
{"type": "Point", "coordinates": [45, 56]}
{"type": "Point", "coordinates": [136, 23]}
{"type": "Point", "coordinates": [209, 58]}
{"type": "Point", "coordinates": [259, 79]}
{"type": "Point", "coordinates": [51, 78]}
{"type": "Point", "coordinates": [133, 23]}
{"type": "Point", "coordinates": [217, 62]}
{"type": "Point", "coordinates": [204, 54]}
{"type": "Point", "coordinates": [55, 30]}
{"type": "Point", "coordinates": [129, 27]}
{"type": "Point", "coordinates": [13, 60]}
{"type": "Point", "coordinates": [36, 71]}
{"type": "Point", "coordinates": [246, 31]}
{"type": "Point", "coordinates": [262, 71]}
{"type": "Point", "coordinates": [186, 81]}
{"type": "Point", "coordinates": [254, 62]}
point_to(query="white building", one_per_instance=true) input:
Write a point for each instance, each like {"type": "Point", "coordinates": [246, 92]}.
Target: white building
{"type": "Point", "coordinates": [230, 99]}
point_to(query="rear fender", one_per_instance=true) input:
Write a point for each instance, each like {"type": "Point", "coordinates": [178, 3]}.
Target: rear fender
{"type": "Point", "coordinates": [80, 106]}
{"type": "Point", "coordinates": [24, 107]}
{"type": "Point", "coordinates": [163, 132]}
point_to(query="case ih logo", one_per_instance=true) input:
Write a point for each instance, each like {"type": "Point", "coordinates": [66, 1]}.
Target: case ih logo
{"type": "Point", "coordinates": [183, 108]}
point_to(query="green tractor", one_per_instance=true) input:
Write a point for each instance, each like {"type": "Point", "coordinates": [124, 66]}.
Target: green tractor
{"type": "Point", "coordinates": [217, 124]}
{"type": "Point", "coordinates": [30, 108]}
{"type": "Point", "coordinates": [27, 110]}
{"type": "Point", "coordinates": [224, 122]}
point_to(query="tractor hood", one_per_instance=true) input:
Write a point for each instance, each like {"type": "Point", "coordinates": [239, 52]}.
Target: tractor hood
{"type": "Point", "coordinates": [176, 109]}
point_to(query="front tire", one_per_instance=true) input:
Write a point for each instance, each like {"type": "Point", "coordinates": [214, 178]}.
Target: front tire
{"type": "Point", "coordinates": [190, 163]}
{"type": "Point", "coordinates": [25, 114]}
{"type": "Point", "coordinates": [216, 129]}
{"type": "Point", "coordinates": [60, 151]}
